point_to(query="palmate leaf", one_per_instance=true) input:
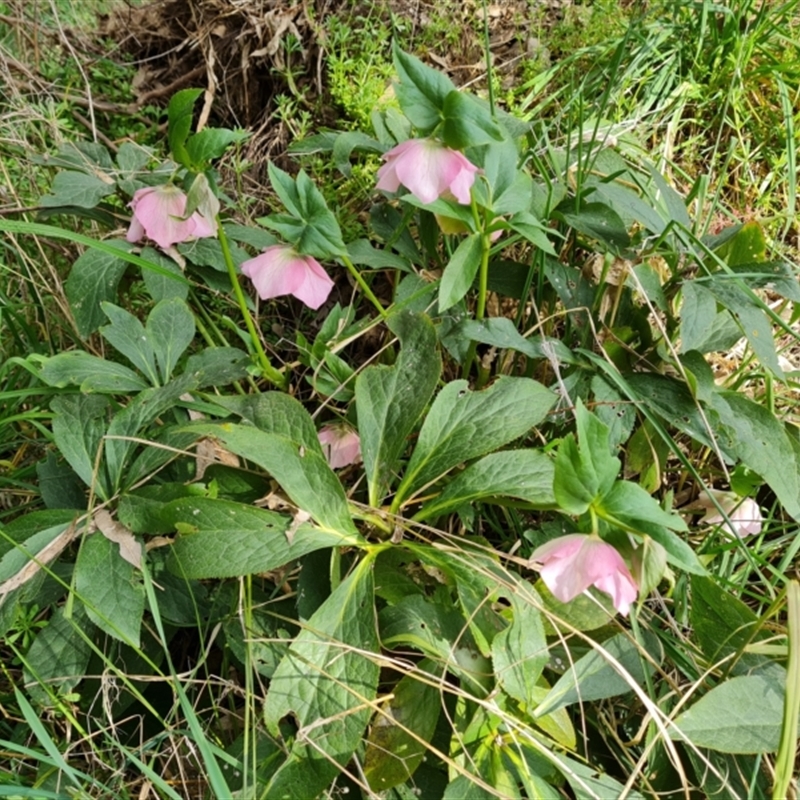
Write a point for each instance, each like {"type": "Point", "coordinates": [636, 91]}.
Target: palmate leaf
{"type": "Point", "coordinates": [462, 425]}
{"type": "Point", "coordinates": [523, 474]}
{"type": "Point", "coordinates": [110, 589]}
{"type": "Point", "coordinates": [223, 539]}
{"type": "Point", "coordinates": [741, 715]}
{"type": "Point", "coordinates": [326, 682]}
{"type": "Point", "coordinates": [391, 399]}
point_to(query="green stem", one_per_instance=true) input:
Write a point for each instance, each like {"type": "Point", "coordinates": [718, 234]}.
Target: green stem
{"type": "Point", "coordinates": [483, 290]}
{"type": "Point", "coordinates": [269, 372]}
{"type": "Point", "coordinates": [363, 285]}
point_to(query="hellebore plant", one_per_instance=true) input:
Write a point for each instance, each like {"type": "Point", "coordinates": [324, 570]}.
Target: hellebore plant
{"type": "Point", "coordinates": [280, 270]}
{"type": "Point", "coordinates": [341, 445]}
{"type": "Point", "coordinates": [159, 213]}
{"type": "Point", "coordinates": [571, 564]}
{"type": "Point", "coordinates": [428, 170]}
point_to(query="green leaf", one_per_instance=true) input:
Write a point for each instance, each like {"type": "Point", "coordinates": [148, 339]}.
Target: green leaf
{"type": "Point", "coordinates": [520, 652]}
{"type": "Point", "coordinates": [78, 189]}
{"type": "Point", "coordinates": [584, 472]}
{"type": "Point", "coordinates": [312, 228]}
{"type": "Point", "coordinates": [78, 429]}
{"type": "Point", "coordinates": [593, 677]}
{"type": "Point", "coordinates": [396, 743]}
{"type": "Point", "coordinates": [24, 546]}
{"type": "Point", "coordinates": [217, 366]}
{"type": "Point", "coordinates": [222, 539]}
{"type": "Point", "coordinates": [421, 92]}
{"type": "Point", "coordinates": [501, 332]}
{"type": "Point", "coordinates": [363, 253]}
{"type": "Point", "coordinates": [59, 655]}
{"type": "Point", "coordinates": [133, 157]}
{"type": "Point", "coordinates": [133, 419]}
{"type": "Point", "coordinates": [462, 425]}
{"type": "Point", "coordinates": [326, 682]}
{"type": "Point", "coordinates": [724, 625]}
{"type": "Point", "coordinates": [524, 474]}
{"type": "Point", "coordinates": [741, 715]}
{"type": "Point", "coordinates": [775, 276]}
{"type": "Point", "coordinates": [111, 589]}
{"type": "Point", "coordinates": [94, 278]}
{"type": "Point", "coordinates": [59, 486]}
{"type": "Point", "coordinates": [628, 205]}
{"type": "Point", "coordinates": [596, 220]}
{"type": "Point", "coordinates": [588, 783]}
{"type": "Point", "coordinates": [460, 271]}
{"type": "Point", "coordinates": [630, 503]}
{"type": "Point", "coordinates": [127, 335]}
{"type": "Point", "coordinates": [586, 612]}
{"type": "Point", "coordinates": [90, 373]}
{"type": "Point", "coordinates": [575, 487]}
{"type": "Point", "coordinates": [160, 286]}
{"type": "Point", "coordinates": [467, 122]}
{"type": "Point", "coordinates": [211, 143]}
{"type": "Point", "coordinates": [179, 118]}
{"type": "Point", "coordinates": [747, 245]}
{"type": "Point", "coordinates": [302, 472]}
{"type": "Point", "coordinates": [533, 230]}
{"type": "Point", "coordinates": [170, 328]}
{"type": "Point", "coordinates": [698, 311]}
{"type": "Point", "coordinates": [755, 324]}
{"type": "Point", "coordinates": [672, 400]}
{"type": "Point", "coordinates": [277, 413]}
{"type": "Point", "coordinates": [762, 444]}
{"type": "Point", "coordinates": [391, 399]}
{"type": "Point", "coordinates": [438, 631]}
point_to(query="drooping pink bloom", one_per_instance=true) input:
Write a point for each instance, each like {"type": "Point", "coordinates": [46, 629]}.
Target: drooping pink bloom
{"type": "Point", "coordinates": [158, 213]}
{"type": "Point", "coordinates": [428, 170]}
{"type": "Point", "coordinates": [340, 444]}
{"type": "Point", "coordinates": [571, 564]}
{"type": "Point", "coordinates": [744, 514]}
{"type": "Point", "coordinates": [280, 270]}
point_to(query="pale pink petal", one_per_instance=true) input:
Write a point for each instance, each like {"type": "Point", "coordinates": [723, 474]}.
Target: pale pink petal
{"type": "Point", "coordinates": [203, 228]}
{"type": "Point", "coordinates": [135, 230]}
{"type": "Point", "coordinates": [279, 271]}
{"type": "Point", "coordinates": [570, 564]}
{"type": "Point", "coordinates": [557, 559]}
{"type": "Point", "coordinates": [316, 284]}
{"type": "Point", "coordinates": [622, 588]}
{"type": "Point", "coordinates": [341, 445]}
{"type": "Point", "coordinates": [428, 170]}
{"type": "Point", "coordinates": [745, 515]}
{"type": "Point", "coordinates": [562, 547]}
{"type": "Point", "coordinates": [158, 214]}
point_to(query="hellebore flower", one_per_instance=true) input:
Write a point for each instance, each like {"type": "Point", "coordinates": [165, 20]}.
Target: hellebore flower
{"type": "Point", "coordinates": [428, 170]}
{"type": "Point", "coordinates": [341, 445]}
{"type": "Point", "coordinates": [158, 213]}
{"type": "Point", "coordinates": [744, 514]}
{"type": "Point", "coordinates": [280, 270]}
{"type": "Point", "coordinates": [573, 563]}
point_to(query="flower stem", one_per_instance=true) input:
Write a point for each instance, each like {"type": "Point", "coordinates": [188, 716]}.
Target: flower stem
{"type": "Point", "coordinates": [483, 289]}
{"type": "Point", "coordinates": [363, 285]}
{"type": "Point", "coordinates": [269, 372]}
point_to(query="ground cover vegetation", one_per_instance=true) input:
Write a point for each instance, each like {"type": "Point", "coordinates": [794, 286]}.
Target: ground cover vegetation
{"type": "Point", "coordinates": [411, 413]}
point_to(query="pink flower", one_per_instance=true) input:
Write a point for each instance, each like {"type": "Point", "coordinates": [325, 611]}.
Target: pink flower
{"type": "Point", "coordinates": [341, 445]}
{"type": "Point", "coordinates": [428, 170]}
{"type": "Point", "coordinates": [158, 213]}
{"type": "Point", "coordinates": [573, 563]}
{"type": "Point", "coordinates": [744, 514]}
{"type": "Point", "coordinates": [280, 270]}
